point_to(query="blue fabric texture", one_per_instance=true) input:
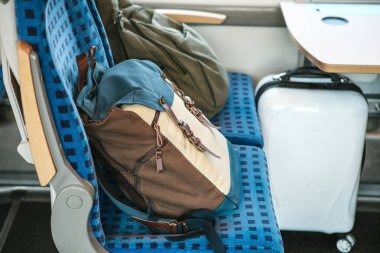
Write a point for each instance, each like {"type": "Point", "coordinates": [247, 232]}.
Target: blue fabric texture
{"type": "Point", "coordinates": [238, 119]}
{"type": "Point", "coordinates": [2, 88]}
{"type": "Point", "coordinates": [129, 82]}
{"type": "Point", "coordinates": [69, 30]}
{"type": "Point", "coordinates": [250, 228]}
{"type": "Point", "coordinates": [101, 31]}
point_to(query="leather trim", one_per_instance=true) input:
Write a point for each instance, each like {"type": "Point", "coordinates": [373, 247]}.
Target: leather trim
{"type": "Point", "coordinates": [82, 64]}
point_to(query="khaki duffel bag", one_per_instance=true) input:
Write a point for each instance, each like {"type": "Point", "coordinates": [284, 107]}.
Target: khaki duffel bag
{"type": "Point", "coordinates": [182, 53]}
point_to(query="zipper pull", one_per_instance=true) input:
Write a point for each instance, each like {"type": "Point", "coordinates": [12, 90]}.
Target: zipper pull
{"type": "Point", "coordinates": [119, 17]}
{"type": "Point", "coordinates": [159, 140]}
{"type": "Point", "coordinates": [159, 165]}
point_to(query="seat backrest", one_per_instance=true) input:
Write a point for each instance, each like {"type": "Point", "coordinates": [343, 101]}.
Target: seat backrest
{"type": "Point", "coordinates": [58, 30]}
{"type": "Point", "coordinates": [101, 30]}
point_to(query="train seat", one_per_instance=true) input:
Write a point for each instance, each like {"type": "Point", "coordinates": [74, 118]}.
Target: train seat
{"type": "Point", "coordinates": [58, 31]}
{"type": "Point", "coordinates": [238, 119]}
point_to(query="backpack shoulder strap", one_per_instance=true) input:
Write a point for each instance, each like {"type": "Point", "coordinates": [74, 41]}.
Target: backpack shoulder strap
{"type": "Point", "coordinates": [200, 221]}
{"type": "Point", "coordinates": [115, 199]}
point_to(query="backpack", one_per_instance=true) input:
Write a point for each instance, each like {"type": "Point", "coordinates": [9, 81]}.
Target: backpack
{"type": "Point", "coordinates": [166, 158]}
{"type": "Point", "coordinates": [182, 53]}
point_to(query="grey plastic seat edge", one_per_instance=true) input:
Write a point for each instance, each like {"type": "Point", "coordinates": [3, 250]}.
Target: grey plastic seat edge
{"type": "Point", "coordinates": [72, 197]}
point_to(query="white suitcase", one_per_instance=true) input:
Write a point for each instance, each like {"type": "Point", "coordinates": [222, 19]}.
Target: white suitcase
{"type": "Point", "coordinates": [314, 127]}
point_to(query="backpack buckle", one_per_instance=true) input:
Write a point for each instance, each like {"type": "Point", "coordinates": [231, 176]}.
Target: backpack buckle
{"type": "Point", "coordinates": [178, 227]}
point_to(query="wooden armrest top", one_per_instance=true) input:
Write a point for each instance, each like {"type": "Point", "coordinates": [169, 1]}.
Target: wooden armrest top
{"type": "Point", "coordinates": [195, 17]}
{"type": "Point", "coordinates": [43, 160]}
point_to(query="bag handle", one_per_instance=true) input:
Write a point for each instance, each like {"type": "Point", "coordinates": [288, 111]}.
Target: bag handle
{"type": "Point", "coordinates": [285, 76]}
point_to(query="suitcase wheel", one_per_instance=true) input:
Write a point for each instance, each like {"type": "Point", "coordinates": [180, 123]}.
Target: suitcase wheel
{"type": "Point", "coordinates": [346, 243]}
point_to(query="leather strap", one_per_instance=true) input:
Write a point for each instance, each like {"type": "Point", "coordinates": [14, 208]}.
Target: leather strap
{"type": "Point", "coordinates": [190, 227]}
{"type": "Point", "coordinates": [185, 128]}
{"type": "Point", "coordinates": [190, 104]}
{"type": "Point", "coordinates": [173, 227]}
{"type": "Point", "coordinates": [82, 64]}
{"type": "Point", "coordinates": [168, 110]}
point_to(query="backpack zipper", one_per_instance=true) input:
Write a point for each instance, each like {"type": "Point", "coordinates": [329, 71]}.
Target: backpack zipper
{"type": "Point", "coordinates": [160, 139]}
{"type": "Point", "coordinates": [156, 151]}
{"type": "Point", "coordinates": [160, 142]}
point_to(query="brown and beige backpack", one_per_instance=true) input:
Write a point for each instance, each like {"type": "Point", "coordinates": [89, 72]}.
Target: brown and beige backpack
{"type": "Point", "coordinates": [166, 157]}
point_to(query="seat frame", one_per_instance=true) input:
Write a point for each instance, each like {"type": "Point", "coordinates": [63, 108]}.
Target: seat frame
{"type": "Point", "coordinates": [72, 197]}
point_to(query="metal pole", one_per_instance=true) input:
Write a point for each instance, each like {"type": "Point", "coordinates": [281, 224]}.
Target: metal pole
{"type": "Point", "coordinates": [9, 221]}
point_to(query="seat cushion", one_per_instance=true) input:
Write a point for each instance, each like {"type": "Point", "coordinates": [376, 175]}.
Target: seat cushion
{"type": "Point", "coordinates": [238, 119]}
{"type": "Point", "coordinates": [251, 227]}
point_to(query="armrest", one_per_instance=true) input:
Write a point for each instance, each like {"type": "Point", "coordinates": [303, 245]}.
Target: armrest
{"type": "Point", "coordinates": [194, 17]}
{"type": "Point", "coordinates": [40, 149]}
{"type": "Point", "coordinates": [72, 197]}
{"type": "Point", "coordinates": [69, 221]}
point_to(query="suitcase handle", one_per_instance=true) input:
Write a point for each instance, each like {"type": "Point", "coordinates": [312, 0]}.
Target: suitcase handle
{"type": "Point", "coordinates": [313, 71]}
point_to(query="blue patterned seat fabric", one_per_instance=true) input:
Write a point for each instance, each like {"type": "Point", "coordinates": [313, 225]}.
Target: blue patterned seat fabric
{"type": "Point", "coordinates": [2, 88]}
{"type": "Point", "coordinates": [66, 29]}
{"type": "Point", "coordinates": [238, 119]}
{"type": "Point", "coordinates": [251, 227]}
{"type": "Point", "coordinates": [101, 30]}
